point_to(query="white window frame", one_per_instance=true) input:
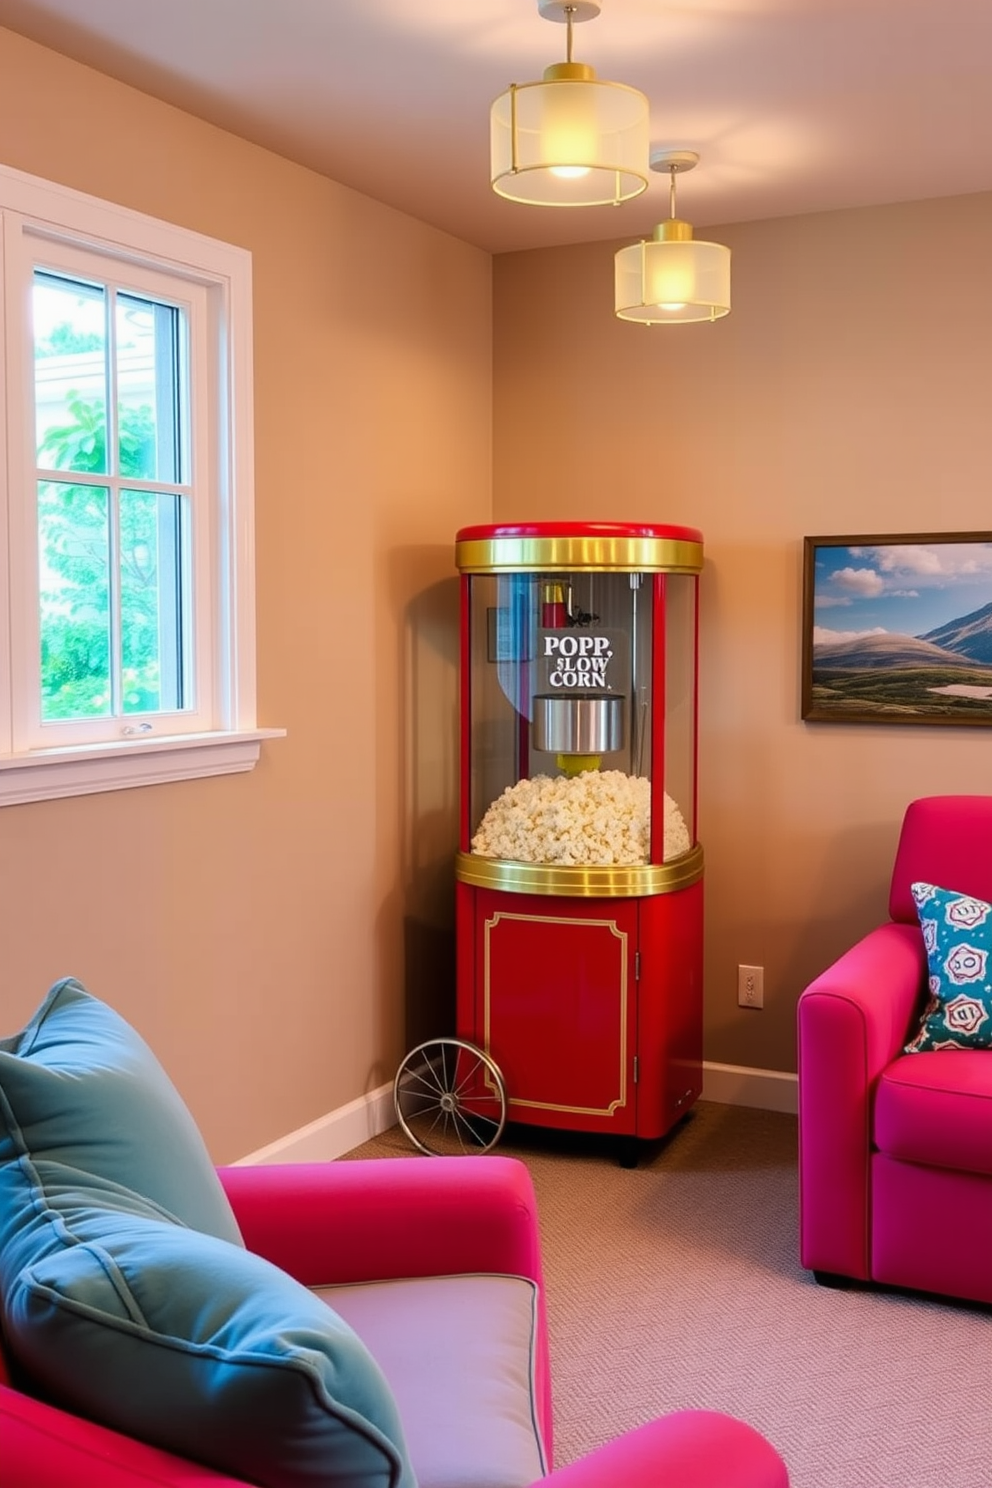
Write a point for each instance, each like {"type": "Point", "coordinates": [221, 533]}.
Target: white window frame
{"type": "Point", "coordinates": [47, 225]}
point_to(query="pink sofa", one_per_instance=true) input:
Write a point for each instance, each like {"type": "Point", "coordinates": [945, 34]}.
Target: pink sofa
{"type": "Point", "coordinates": [895, 1150]}
{"type": "Point", "coordinates": [350, 1222]}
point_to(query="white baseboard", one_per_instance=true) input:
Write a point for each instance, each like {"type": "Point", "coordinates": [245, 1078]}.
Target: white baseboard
{"type": "Point", "coordinates": [349, 1126]}
{"type": "Point", "coordinates": [737, 1085]}
{"type": "Point", "coordinates": [332, 1135]}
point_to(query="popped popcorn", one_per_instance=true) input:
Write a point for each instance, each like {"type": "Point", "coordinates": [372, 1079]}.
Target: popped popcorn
{"type": "Point", "coordinates": [597, 818]}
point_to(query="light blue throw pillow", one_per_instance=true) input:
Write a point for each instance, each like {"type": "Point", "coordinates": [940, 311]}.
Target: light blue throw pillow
{"type": "Point", "coordinates": [957, 933]}
{"type": "Point", "coordinates": [126, 1291]}
{"type": "Point", "coordinates": [198, 1346]}
{"type": "Point", "coordinates": [82, 1094]}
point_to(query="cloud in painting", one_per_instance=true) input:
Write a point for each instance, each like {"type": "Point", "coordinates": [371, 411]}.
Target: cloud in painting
{"type": "Point", "coordinates": [864, 582]}
{"type": "Point", "coordinates": [944, 560]}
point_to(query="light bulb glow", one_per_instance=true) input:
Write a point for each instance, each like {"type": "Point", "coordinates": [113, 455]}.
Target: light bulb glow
{"type": "Point", "coordinates": [670, 278]}
{"type": "Point", "coordinates": [569, 127]}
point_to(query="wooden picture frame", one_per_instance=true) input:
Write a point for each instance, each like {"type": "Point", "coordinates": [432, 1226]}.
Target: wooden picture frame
{"type": "Point", "coordinates": [898, 629]}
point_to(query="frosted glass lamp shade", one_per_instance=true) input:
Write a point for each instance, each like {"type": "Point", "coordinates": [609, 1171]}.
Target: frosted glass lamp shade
{"type": "Point", "coordinates": [661, 281]}
{"type": "Point", "coordinates": [569, 141]}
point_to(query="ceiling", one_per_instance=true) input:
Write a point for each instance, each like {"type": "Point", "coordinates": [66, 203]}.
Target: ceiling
{"type": "Point", "coordinates": [793, 105]}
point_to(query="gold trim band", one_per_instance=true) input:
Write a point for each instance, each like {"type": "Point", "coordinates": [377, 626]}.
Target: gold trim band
{"type": "Point", "coordinates": [628, 881]}
{"type": "Point", "coordinates": [605, 1111]}
{"type": "Point", "coordinates": [546, 554]}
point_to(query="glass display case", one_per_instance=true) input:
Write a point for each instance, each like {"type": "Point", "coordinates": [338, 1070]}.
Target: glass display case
{"type": "Point", "coordinates": [579, 874]}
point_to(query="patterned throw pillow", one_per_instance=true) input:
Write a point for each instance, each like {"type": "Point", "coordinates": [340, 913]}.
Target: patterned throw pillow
{"type": "Point", "coordinates": [957, 932]}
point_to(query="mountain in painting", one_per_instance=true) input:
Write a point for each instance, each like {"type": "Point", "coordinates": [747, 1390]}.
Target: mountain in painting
{"type": "Point", "coordinates": [969, 636]}
{"type": "Point", "coordinates": [886, 651]}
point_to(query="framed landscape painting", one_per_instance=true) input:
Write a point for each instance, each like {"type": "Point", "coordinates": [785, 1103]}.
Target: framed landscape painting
{"type": "Point", "coordinates": [898, 629]}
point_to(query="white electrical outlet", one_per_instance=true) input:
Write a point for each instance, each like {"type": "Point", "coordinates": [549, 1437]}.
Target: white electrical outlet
{"type": "Point", "coordinates": [751, 986]}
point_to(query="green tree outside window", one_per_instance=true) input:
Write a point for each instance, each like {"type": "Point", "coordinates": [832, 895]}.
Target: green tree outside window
{"type": "Point", "coordinates": [74, 536]}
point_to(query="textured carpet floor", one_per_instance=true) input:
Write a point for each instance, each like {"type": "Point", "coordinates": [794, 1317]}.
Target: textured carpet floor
{"type": "Point", "coordinates": [678, 1284]}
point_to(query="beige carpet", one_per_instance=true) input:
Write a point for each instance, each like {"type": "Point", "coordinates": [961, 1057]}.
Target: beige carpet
{"type": "Point", "coordinates": [677, 1284]}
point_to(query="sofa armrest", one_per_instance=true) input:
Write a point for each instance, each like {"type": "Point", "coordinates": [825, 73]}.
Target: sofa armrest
{"type": "Point", "coordinates": [43, 1447]}
{"type": "Point", "coordinates": [332, 1223]}
{"type": "Point", "coordinates": [690, 1449]}
{"type": "Point", "coordinates": [852, 1022]}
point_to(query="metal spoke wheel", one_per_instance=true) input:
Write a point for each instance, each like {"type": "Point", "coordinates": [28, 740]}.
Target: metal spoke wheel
{"type": "Point", "coordinates": [450, 1098]}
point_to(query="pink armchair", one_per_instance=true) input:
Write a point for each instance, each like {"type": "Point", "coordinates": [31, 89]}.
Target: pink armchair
{"type": "Point", "coordinates": [352, 1222]}
{"type": "Point", "coordinates": [895, 1150]}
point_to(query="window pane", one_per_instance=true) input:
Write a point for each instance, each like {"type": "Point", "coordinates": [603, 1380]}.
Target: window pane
{"type": "Point", "coordinates": [154, 602]}
{"type": "Point", "coordinates": [70, 372]}
{"type": "Point", "coordinates": [151, 409]}
{"type": "Point", "coordinates": [74, 572]}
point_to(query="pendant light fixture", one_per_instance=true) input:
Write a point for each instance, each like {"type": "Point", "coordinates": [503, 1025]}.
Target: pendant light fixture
{"type": "Point", "coordinates": [674, 277]}
{"type": "Point", "coordinates": [569, 140]}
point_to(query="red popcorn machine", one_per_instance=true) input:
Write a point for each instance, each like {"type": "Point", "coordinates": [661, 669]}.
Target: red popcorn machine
{"type": "Point", "coordinates": [579, 879]}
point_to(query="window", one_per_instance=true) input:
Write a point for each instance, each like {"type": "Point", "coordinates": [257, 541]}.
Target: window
{"type": "Point", "coordinates": [126, 591]}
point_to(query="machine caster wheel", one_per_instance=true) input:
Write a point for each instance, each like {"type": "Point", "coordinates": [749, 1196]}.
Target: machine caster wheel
{"type": "Point", "coordinates": [630, 1152]}
{"type": "Point", "coordinates": [835, 1282]}
{"type": "Point", "coordinates": [450, 1098]}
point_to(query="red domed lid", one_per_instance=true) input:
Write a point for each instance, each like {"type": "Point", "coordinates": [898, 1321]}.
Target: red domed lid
{"type": "Point", "coordinates": [486, 533]}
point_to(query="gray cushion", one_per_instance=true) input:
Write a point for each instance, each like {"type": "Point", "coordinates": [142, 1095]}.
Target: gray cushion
{"type": "Point", "coordinates": [459, 1354]}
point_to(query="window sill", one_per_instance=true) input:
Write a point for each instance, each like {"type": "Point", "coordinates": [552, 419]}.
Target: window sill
{"type": "Point", "coordinates": [46, 774]}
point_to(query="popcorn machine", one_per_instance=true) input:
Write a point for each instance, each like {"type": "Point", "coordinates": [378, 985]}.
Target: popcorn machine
{"type": "Point", "coordinates": [579, 879]}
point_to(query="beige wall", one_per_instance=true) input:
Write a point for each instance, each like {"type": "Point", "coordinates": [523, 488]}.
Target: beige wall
{"type": "Point", "coordinates": [280, 936]}
{"type": "Point", "coordinates": [849, 392]}
{"type": "Point", "coordinates": [260, 929]}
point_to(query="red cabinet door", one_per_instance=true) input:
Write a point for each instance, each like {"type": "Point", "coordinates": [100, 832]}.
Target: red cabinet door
{"type": "Point", "coordinates": [555, 1006]}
